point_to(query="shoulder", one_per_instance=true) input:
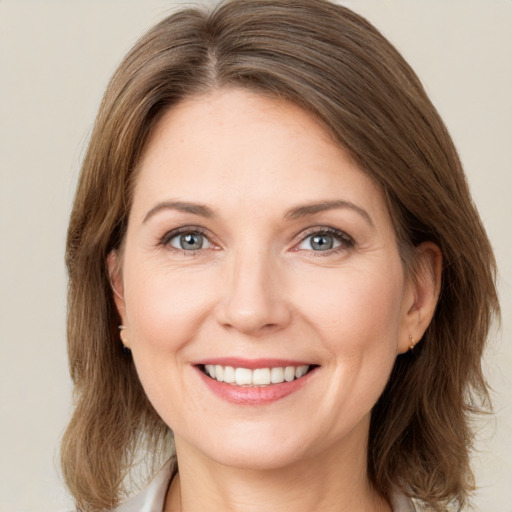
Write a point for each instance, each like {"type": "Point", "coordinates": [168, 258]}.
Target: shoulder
{"type": "Point", "coordinates": [152, 498]}
{"type": "Point", "coordinates": [401, 503]}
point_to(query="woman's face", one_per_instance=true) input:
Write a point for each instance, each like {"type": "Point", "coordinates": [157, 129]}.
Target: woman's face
{"type": "Point", "coordinates": [259, 253]}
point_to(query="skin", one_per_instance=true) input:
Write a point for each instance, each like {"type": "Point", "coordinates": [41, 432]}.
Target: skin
{"type": "Point", "coordinates": [258, 289]}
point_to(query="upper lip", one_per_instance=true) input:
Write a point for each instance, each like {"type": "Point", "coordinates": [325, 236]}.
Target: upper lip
{"type": "Point", "coordinates": [251, 364]}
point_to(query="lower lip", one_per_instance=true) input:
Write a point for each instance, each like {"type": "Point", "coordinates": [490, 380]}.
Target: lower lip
{"type": "Point", "coordinates": [254, 395]}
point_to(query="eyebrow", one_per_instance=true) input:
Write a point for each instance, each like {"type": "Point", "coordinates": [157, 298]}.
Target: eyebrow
{"type": "Point", "coordinates": [314, 208]}
{"type": "Point", "coordinates": [193, 208]}
{"type": "Point", "coordinates": [297, 212]}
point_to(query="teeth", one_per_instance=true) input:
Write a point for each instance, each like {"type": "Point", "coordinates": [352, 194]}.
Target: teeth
{"type": "Point", "coordinates": [229, 375]}
{"type": "Point", "coordinates": [243, 377]}
{"type": "Point", "coordinates": [257, 377]}
{"type": "Point", "coordinates": [300, 371]}
{"type": "Point", "coordinates": [276, 375]}
{"type": "Point", "coordinates": [261, 377]}
{"type": "Point", "coordinates": [289, 373]}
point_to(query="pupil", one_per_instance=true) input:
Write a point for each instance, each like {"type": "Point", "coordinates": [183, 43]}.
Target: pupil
{"type": "Point", "coordinates": [322, 242]}
{"type": "Point", "coordinates": [191, 241]}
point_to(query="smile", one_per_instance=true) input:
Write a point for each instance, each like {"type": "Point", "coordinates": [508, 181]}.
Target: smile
{"type": "Point", "coordinates": [255, 377]}
{"type": "Point", "coordinates": [254, 382]}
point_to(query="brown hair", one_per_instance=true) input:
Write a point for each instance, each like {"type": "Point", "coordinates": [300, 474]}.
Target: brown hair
{"type": "Point", "coordinates": [337, 66]}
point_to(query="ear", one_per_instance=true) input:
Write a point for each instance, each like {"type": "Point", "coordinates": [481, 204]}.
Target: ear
{"type": "Point", "coordinates": [116, 283]}
{"type": "Point", "coordinates": [423, 294]}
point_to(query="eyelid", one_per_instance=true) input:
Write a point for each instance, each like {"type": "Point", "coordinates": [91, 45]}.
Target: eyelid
{"type": "Point", "coordinates": [164, 241]}
{"type": "Point", "coordinates": [346, 241]}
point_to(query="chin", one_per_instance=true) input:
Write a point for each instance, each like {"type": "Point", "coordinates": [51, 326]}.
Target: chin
{"type": "Point", "coordinates": [257, 457]}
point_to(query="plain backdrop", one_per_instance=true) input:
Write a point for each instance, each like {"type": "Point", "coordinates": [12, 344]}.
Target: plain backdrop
{"type": "Point", "coordinates": [55, 60]}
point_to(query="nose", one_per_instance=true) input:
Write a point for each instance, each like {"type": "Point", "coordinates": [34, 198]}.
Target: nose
{"type": "Point", "coordinates": [255, 300]}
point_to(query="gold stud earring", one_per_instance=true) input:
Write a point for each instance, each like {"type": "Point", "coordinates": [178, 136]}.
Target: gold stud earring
{"type": "Point", "coordinates": [412, 342]}
{"type": "Point", "coordinates": [122, 335]}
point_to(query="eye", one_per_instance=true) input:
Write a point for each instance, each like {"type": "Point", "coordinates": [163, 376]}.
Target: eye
{"type": "Point", "coordinates": [325, 240]}
{"type": "Point", "coordinates": [189, 241]}
{"type": "Point", "coordinates": [320, 242]}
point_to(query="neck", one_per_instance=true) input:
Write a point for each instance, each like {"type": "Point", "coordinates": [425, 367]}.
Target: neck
{"type": "Point", "coordinates": [328, 482]}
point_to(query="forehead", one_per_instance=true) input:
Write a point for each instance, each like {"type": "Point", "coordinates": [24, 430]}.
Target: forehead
{"type": "Point", "coordinates": [237, 147]}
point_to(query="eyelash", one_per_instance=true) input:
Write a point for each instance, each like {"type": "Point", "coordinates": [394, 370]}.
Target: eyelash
{"type": "Point", "coordinates": [185, 230]}
{"type": "Point", "coordinates": [345, 240]}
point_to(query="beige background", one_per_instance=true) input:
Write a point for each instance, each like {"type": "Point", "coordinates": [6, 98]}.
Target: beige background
{"type": "Point", "coordinates": [55, 59]}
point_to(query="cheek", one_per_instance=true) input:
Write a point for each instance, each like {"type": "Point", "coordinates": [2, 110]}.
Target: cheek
{"type": "Point", "coordinates": [355, 307]}
{"type": "Point", "coordinates": [358, 316]}
{"type": "Point", "coordinates": [165, 307]}
{"type": "Point", "coordinates": [164, 310]}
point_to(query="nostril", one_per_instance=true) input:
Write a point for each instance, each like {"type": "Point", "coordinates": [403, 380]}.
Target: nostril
{"type": "Point", "coordinates": [257, 318]}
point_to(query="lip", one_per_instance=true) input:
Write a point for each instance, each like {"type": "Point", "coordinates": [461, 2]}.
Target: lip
{"type": "Point", "coordinates": [253, 395]}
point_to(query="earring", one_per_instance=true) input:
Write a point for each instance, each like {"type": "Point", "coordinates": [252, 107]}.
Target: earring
{"type": "Point", "coordinates": [413, 342]}
{"type": "Point", "coordinates": [122, 335]}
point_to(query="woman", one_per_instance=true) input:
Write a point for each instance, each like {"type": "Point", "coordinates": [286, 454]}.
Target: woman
{"type": "Point", "coordinates": [273, 220]}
